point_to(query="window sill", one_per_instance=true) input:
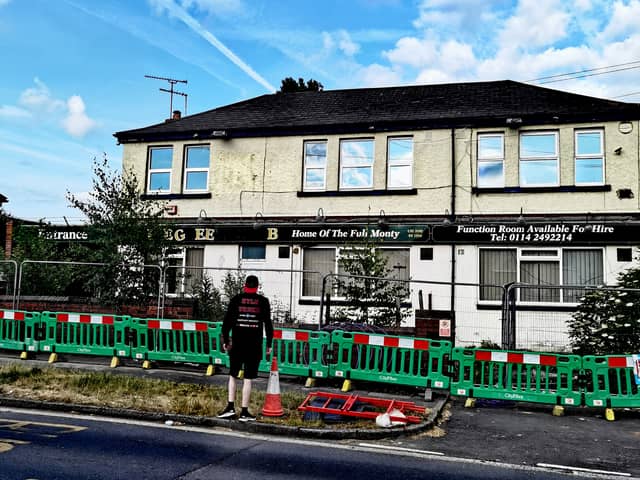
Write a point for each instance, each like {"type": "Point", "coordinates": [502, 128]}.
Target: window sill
{"type": "Point", "coordinates": [338, 302]}
{"type": "Point", "coordinates": [543, 307]}
{"type": "Point", "coordinates": [357, 193]}
{"type": "Point", "coordinates": [560, 189]}
{"type": "Point", "coordinates": [175, 196]}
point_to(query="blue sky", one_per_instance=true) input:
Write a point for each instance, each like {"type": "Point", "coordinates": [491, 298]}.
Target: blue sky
{"type": "Point", "coordinates": [73, 71]}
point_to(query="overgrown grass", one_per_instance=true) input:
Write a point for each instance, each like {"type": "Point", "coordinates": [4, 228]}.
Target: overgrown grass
{"type": "Point", "coordinates": [150, 395]}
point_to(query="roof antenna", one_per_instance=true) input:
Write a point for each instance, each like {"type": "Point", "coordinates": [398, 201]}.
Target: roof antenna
{"type": "Point", "coordinates": [171, 91]}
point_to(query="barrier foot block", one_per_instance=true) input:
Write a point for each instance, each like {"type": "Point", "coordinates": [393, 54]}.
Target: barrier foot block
{"type": "Point", "coordinates": [346, 386]}
{"type": "Point", "coordinates": [24, 355]}
{"type": "Point", "coordinates": [470, 403]}
{"type": "Point", "coordinates": [609, 415]}
{"type": "Point", "coordinates": [211, 370]}
{"type": "Point", "coordinates": [115, 362]}
{"type": "Point", "coordinates": [146, 364]}
{"type": "Point", "coordinates": [428, 395]}
{"type": "Point", "coordinates": [310, 383]}
{"type": "Point", "coordinates": [53, 358]}
{"type": "Point", "coordinates": [558, 411]}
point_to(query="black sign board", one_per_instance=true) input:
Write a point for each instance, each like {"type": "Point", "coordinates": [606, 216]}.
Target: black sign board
{"type": "Point", "coordinates": [538, 234]}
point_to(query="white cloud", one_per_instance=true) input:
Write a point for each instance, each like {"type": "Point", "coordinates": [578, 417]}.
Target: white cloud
{"type": "Point", "coordinates": [376, 75]}
{"type": "Point", "coordinates": [623, 21]}
{"type": "Point", "coordinates": [77, 123]}
{"type": "Point", "coordinates": [216, 7]}
{"type": "Point", "coordinates": [413, 52]}
{"type": "Point", "coordinates": [176, 11]}
{"type": "Point", "coordinates": [348, 46]}
{"type": "Point", "coordinates": [39, 98]}
{"type": "Point", "coordinates": [11, 111]}
{"type": "Point", "coordinates": [536, 23]}
{"type": "Point", "coordinates": [452, 13]}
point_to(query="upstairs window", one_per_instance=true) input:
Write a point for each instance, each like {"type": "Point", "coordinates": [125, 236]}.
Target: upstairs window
{"type": "Point", "coordinates": [491, 160]}
{"type": "Point", "coordinates": [159, 176]}
{"type": "Point", "coordinates": [196, 169]}
{"type": "Point", "coordinates": [356, 164]}
{"type": "Point", "coordinates": [589, 157]}
{"type": "Point", "coordinates": [539, 159]}
{"type": "Point", "coordinates": [315, 165]}
{"type": "Point", "coordinates": [400, 163]}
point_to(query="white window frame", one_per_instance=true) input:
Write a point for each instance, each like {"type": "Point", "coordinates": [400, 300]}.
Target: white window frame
{"type": "Point", "coordinates": [338, 253]}
{"type": "Point", "coordinates": [188, 170]}
{"type": "Point", "coordinates": [308, 168]}
{"type": "Point", "coordinates": [369, 166]}
{"type": "Point", "coordinates": [489, 159]}
{"type": "Point", "coordinates": [180, 271]}
{"type": "Point", "coordinates": [578, 157]}
{"type": "Point", "coordinates": [252, 260]}
{"type": "Point", "coordinates": [159, 170]}
{"type": "Point", "coordinates": [552, 254]}
{"type": "Point", "coordinates": [405, 163]}
{"type": "Point", "coordinates": [540, 158]}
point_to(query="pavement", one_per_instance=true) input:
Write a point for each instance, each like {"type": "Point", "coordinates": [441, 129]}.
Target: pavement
{"type": "Point", "coordinates": [195, 374]}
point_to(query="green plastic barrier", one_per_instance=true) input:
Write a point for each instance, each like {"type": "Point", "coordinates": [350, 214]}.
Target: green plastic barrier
{"type": "Point", "coordinates": [389, 359]}
{"type": "Point", "coordinates": [610, 382]}
{"type": "Point", "coordinates": [85, 333]}
{"type": "Point", "coordinates": [18, 330]}
{"type": "Point", "coordinates": [192, 341]}
{"type": "Point", "coordinates": [518, 376]}
{"type": "Point", "coordinates": [299, 352]}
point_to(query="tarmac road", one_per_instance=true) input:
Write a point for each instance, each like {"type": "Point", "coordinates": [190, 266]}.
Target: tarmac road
{"type": "Point", "coordinates": [506, 432]}
{"type": "Point", "coordinates": [526, 434]}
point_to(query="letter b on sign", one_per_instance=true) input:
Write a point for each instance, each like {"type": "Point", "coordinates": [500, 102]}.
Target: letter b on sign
{"type": "Point", "coordinates": [272, 233]}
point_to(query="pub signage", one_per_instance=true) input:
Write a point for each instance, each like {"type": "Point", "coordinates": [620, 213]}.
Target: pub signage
{"type": "Point", "coordinates": [538, 233]}
{"type": "Point", "coordinates": [297, 234]}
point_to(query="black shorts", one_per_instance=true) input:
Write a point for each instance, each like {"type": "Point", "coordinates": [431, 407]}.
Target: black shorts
{"type": "Point", "coordinates": [245, 358]}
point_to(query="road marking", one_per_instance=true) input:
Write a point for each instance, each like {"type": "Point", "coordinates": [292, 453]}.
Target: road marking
{"type": "Point", "coordinates": [32, 428]}
{"type": "Point", "coordinates": [274, 438]}
{"type": "Point", "coordinates": [580, 469]}
{"type": "Point", "coordinates": [399, 449]}
{"type": "Point", "coordinates": [7, 444]}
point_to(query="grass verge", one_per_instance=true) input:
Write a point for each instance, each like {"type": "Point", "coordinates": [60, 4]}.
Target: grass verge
{"type": "Point", "coordinates": [142, 394]}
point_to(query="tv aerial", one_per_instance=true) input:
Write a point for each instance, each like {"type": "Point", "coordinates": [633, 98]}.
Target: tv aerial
{"type": "Point", "coordinates": [171, 91]}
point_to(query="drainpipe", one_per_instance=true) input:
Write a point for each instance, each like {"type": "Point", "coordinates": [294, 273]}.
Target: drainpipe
{"type": "Point", "coordinates": [453, 246]}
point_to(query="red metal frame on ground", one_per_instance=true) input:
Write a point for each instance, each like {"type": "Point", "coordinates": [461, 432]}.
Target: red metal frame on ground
{"type": "Point", "coordinates": [350, 401]}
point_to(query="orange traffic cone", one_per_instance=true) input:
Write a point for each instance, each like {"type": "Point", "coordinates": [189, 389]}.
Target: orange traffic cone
{"type": "Point", "coordinates": [272, 404]}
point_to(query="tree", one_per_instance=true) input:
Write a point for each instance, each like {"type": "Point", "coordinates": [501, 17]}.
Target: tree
{"type": "Point", "coordinates": [608, 321]}
{"type": "Point", "coordinates": [373, 296]}
{"type": "Point", "coordinates": [34, 243]}
{"type": "Point", "coordinates": [289, 85]}
{"type": "Point", "coordinates": [128, 233]}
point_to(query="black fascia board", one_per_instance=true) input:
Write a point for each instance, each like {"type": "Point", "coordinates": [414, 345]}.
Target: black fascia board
{"type": "Point", "coordinates": [365, 128]}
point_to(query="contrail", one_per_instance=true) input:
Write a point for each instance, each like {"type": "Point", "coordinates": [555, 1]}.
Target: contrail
{"type": "Point", "coordinates": [192, 23]}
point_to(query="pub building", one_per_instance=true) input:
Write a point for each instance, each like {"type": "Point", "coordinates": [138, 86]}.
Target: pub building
{"type": "Point", "coordinates": [465, 183]}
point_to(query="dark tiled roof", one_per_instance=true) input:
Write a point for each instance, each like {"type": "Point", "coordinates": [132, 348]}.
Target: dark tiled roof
{"type": "Point", "coordinates": [3, 199]}
{"type": "Point", "coordinates": [391, 108]}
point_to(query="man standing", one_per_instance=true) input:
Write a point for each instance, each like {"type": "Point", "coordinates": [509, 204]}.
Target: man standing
{"type": "Point", "coordinates": [247, 315]}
